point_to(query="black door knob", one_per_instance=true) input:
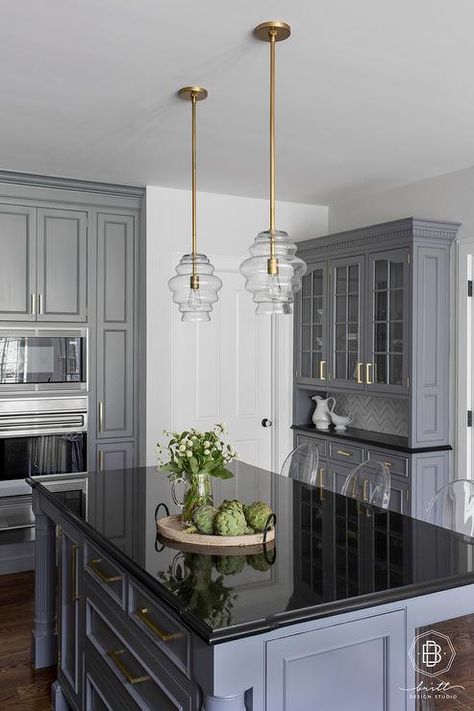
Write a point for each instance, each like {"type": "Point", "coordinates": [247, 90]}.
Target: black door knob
{"type": "Point", "coordinates": [266, 423]}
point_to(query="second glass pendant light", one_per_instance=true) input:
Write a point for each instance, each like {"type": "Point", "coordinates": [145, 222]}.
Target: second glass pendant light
{"type": "Point", "coordinates": [273, 272]}
{"type": "Point", "coordinates": [195, 286]}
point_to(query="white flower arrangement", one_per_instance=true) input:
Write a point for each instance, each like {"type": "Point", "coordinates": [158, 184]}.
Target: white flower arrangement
{"type": "Point", "coordinates": [191, 452]}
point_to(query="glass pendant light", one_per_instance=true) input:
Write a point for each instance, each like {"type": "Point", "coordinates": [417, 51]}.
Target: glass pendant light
{"type": "Point", "coordinates": [195, 285]}
{"type": "Point", "coordinates": [273, 272]}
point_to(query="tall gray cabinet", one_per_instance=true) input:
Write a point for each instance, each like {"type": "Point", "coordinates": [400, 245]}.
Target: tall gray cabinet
{"type": "Point", "coordinates": [372, 328]}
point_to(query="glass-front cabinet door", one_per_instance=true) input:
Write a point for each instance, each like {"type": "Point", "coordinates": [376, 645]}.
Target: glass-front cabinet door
{"type": "Point", "coordinates": [311, 317]}
{"type": "Point", "coordinates": [387, 314]}
{"type": "Point", "coordinates": [346, 289]}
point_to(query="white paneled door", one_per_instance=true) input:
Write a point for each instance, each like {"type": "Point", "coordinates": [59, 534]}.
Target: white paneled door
{"type": "Point", "coordinates": [222, 369]}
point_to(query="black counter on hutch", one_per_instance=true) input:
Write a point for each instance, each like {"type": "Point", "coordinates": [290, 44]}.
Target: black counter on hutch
{"type": "Point", "coordinates": [143, 625]}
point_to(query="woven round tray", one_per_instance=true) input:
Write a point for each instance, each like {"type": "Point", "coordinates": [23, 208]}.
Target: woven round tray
{"type": "Point", "coordinates": [171, 528]}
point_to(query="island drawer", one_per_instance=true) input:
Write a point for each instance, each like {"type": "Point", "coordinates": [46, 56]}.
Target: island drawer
{"type": "Point", "coordinates": [320, 443]}
{"type": "Point", "coordinates": [145, 687]}
{"type": "Point", "coordinates": [396, 465]}
{"type": "Point", "coordinates": [106, 573]}
{"type": "Point", "coordinates": [161, 627]}
{"type": "Point", "coordinates": [101, 690]}
{"type": "Point", "coordinates": [347, 453]}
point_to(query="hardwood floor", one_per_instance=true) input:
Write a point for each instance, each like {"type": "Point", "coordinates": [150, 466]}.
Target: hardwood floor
{"type": "Point", "coordinates": [21, 688]}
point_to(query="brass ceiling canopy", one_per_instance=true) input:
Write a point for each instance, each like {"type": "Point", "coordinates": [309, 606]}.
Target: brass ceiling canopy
{"type": "Point", "coordinates": [188, 92]}
{"type": "Point", "coordinates": [280, 30]}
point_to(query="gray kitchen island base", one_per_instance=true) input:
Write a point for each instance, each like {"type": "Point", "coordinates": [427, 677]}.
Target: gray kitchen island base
{"type": "Point", "coordinates": [122, 644]}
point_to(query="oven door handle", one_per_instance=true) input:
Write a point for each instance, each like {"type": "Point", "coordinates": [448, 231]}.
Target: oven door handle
{"type": "Point", "coordinates": [30, 425]}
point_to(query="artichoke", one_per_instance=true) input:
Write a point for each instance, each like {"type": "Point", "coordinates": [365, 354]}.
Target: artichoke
{"type": "Point", "coordinates": [230, 564]}
{"type": "Point", "coordinates": [257, 515]}
{"type": "Point", "coordinates": [203, 518]}
{"type": "Point", "coordinates": [232, 504]}
{"type": "Point", "coordinates": [259, 562]}
{"type": "Point", "coordinates": [229, 522]}
{"type": "Point", "coordinates": [248, 531]}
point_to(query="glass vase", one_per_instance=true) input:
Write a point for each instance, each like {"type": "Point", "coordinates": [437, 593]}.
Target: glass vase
{"type": "Point", "coordinates": [197, 492]}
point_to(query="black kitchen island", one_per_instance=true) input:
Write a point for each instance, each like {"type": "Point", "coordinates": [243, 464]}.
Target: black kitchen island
{"type": "Point", "coordinates": [327, 618]}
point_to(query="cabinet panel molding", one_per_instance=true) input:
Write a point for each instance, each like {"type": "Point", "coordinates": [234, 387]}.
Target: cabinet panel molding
{"type": "Point", "coordinates": [18, 263]}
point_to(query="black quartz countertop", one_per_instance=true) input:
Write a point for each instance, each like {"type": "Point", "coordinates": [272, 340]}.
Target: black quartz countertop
{"type": "Point", "coordinates": [332, 555]}
{"type": "Point", "coordinates": [374, 439]}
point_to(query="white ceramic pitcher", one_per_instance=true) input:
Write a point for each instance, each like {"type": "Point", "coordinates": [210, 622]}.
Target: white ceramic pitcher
{"type": "Point", "coordinates": [322, 412]}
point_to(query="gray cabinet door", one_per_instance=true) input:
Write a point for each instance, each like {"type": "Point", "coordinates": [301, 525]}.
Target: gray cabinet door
{"type": "Point", "coordinates": [338, 474]}
{"type": "Point", "coordinates": [114, 455]}
{"type": "Point", "coordinates": [70, 618]}
{"type": "Point", "coordinates": [400, 495]}
{"type": "Point", "coordinates": [346, 302]}
{"type": "Point", "coordinates": [18, 263]}
{"type": "Point", "coordinates": [62, 265]}
{"type": "Point", "coordinates": [311, 349]}
{"type": "Point", "coordinates": [387, 330]}
{"type": "Point", "coordinates": [358, 665]}
{"type": "Point", "coordinates": [115, 325]}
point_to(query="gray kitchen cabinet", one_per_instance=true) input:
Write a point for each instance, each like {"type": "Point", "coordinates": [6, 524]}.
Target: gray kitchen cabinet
{"type": "Point", "coordinates": [338, 664]}
{"type": "Point", "coordinates": [347, 322]}
{"type": "Point", "coordinates": [62, 265]}
{"type": "Point", "coordinates": [387, 330]}
{"type": "Point", "coordinates": [312, 331]}
{"type": "Point", "coordinates": [116, 304]}
{"type": "Point", "coordinates": [18, 263]}
{"type": "Point", "coordinates": [70, 613]}
{"type": "Point", "coordinates": [115, 455]}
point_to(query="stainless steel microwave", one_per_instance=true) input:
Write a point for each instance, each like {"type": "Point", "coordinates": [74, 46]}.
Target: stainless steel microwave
{"type": "Point", "coordinates": [37, 358]}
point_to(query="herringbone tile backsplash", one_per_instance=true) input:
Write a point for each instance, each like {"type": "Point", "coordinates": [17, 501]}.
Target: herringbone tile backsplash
{"type": "Point", "coordinates": [374, 413]}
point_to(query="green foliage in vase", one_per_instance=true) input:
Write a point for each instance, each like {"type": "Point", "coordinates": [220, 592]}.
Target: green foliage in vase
{"type": "Point", "coordinates": [192, 452]}
{"type": "Point", "coordinates": [257, 515]}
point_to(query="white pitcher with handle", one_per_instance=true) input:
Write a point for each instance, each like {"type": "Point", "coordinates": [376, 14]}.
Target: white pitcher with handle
{"type": "Point", "coordinates": [322, 412]}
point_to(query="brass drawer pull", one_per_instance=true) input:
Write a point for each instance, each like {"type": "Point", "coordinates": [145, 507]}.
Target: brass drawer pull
{"type": "Point", "coordinates": [101, 416]}
{"type": "Point", "coordinates": [358, 374]}
{"type": "Point", "coordinates": [95, 565]}
{"type": "Point", "coordinates": [367, 373]}
{"type": "Point", "coordinates": [74, 594]}
{"type": "Point", "coordinates": [143, 613]}
{"type": "Point", "coordinates": [322, 375]}
{"type": "Point", "coordinates": [365, 493]}
{"type": "Point", "coordinates": [115, 656]}
{"type": "Point", "coordinates": [344, 453]}
{"type": "Point", "coordinates": [388, 464]}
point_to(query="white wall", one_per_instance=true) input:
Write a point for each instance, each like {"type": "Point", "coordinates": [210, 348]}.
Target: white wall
{"type": "Point", "coordinates": [226, 226]}
{"type": "Point", "coordinates": [446, 197]}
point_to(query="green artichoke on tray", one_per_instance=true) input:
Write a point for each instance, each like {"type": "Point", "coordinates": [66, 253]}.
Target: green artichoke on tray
{"type": "Point", "coordinates": [203, 519]}
{"type": "Point", "coordinates": [229, 522]}
{"type": "Point", "coordinates": [257, 515]}
{"type": "Point", "coordinates": [232, 504]}
{"type": "Point", "coordinates": [230, 565]}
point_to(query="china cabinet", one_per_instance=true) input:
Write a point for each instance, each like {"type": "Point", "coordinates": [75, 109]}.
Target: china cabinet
{"type": "Point", "coordinates": [373, 321]}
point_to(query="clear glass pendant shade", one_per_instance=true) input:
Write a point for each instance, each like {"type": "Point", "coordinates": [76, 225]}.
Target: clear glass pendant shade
{"type": "Point", "coordinates": [195, 304]}
{"type": "Point", "coordinates": [273, 294]}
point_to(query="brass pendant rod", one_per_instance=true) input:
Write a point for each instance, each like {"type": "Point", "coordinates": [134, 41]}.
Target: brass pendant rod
{"type": "Point", "coordinates": [272, 266]}
{"type": "Point", "coordinates": [194, 276]}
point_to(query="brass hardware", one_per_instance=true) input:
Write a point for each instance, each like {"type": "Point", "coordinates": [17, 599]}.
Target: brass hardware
{"type": "Point", "coordinates": [193, 94]}
{"type": "Point", "coordinates": [95, 565]}
{"type": "Point", "coordinates": [353, 486]}
{"type": "Point", "coordinates": [322, 363]}
{"type": "Point", "coordinates": [101, 416]}
{"type": "Point", "coordinates": [74, 594]}
{"type": "Point", "coordinates": [33, 304]}
{"type": "Point", "coordinates": [388, 464]}
{"type": "Point", "coordinates": [143, 613]}
{"type": "Point", "coordinates": [115, 656]}
{"type": "Point", "coordinates": [101, 460]}
{"type": "Point", "coordinates": [368, 366]}
{"type": "Point", "coordinates": [358, 373]}
{"type": "Point", "coordinates": [343, 453]}
{"type": "Point", "coordinates": [364, 493]}
{"type": "Point", "coordinates": [408, 258]}
{"type": "Point", "coordinates": [321, 483]}
{"type": "Point", "coordinates": [408, 383]}
{"type": "Point", "coordinates": [40, 303]}
{"type": "Point", "coordinates": [272, 32]}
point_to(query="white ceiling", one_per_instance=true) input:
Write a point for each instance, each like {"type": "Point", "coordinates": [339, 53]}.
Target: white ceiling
{"type": "Point", "coordinates": [371, 94]}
